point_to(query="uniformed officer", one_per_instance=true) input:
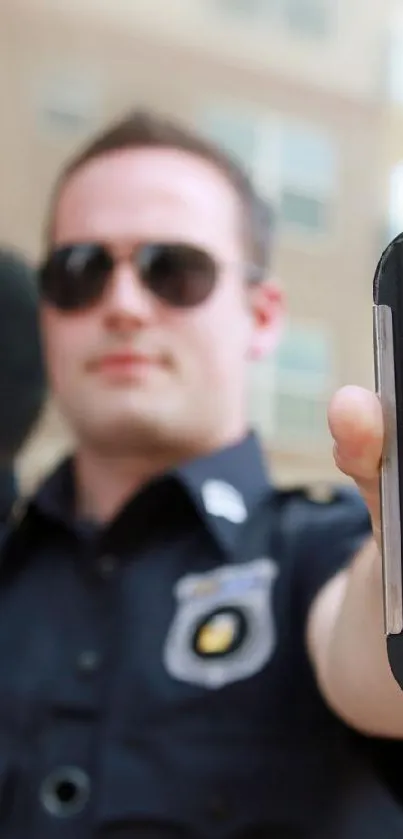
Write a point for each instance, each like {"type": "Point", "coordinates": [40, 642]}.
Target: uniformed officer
{"type": "Point", "coordinates": [184, 650]}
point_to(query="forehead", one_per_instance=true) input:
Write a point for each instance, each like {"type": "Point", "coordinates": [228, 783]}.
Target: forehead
{"type": "Point", "coordinates": [138, 193]}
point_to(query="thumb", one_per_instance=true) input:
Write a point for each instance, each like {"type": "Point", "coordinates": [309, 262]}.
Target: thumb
{"type": "Point", "coordinates": [356, 424]}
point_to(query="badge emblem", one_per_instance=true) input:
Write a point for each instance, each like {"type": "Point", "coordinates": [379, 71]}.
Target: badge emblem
{"type": "Point", "coordinates": [221, 499]}
{"type": "Point", "coordinates": [217, 634]}
{"type": "Point", "coordinates": [223, 630]}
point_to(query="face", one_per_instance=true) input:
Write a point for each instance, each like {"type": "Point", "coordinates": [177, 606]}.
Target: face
{"type": "Point", "coordinates": [132, 372]}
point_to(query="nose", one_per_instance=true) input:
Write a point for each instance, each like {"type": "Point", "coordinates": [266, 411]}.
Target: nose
{"type": "Point", "coordinates": [126, 302]}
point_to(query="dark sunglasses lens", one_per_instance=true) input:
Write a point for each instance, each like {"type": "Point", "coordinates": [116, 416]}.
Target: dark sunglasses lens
{"type": "Point", "coordinates": [181, 275]}
{"type": "Point", "coordinates": [75, 277]}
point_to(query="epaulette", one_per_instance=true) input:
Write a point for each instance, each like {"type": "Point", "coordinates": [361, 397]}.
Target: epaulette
{"type": "Point", "coordinates": [320, 492]}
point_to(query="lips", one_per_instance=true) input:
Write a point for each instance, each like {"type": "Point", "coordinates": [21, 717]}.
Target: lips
{"type": "Point", "coordinates": [125, 366]}
{"type": "Point", "coordinates": [123, 358]}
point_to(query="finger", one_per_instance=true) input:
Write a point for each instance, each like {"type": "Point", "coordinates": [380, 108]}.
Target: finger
{"type": "Point", "coordinates": [356, 424]}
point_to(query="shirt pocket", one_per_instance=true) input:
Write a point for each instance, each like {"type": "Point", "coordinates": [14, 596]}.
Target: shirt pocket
{"type": "Point", "coordinates": [216, 785]}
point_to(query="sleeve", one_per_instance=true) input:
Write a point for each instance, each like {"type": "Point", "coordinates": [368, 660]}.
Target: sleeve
{"type": "Point", "coordinates": [328, 540]}
{"type": "Point", "coordinates": [386, 757]}
{"type": "Point", "coordinates": [328, 537]}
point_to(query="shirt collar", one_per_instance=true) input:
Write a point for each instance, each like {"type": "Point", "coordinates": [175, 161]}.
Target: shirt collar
{"type": "Point", "coordinates": [55, 496]}
{"type": "Point", "coordinates": [8, 491]}
{"type": "Point", "coordinates": [224, 486]}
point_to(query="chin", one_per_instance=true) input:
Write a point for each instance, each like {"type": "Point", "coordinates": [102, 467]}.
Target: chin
{"type": "Point", "coordinates": [131, 433]}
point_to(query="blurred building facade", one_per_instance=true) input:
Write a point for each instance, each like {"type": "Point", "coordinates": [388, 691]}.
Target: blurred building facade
{"type": "Point", "coordinates": [393, 127]}
{"type": "Point", "coordinates": [296, 90]}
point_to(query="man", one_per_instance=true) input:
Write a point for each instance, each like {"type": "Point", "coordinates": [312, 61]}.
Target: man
{"type": "Point", "coordinates": [184, 650]}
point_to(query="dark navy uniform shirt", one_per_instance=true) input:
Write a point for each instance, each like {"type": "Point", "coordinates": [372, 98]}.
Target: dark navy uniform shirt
{"type": "Point", "coordinates": [8, 491]}
{"type": "Point", "coordinates": [154, 680]}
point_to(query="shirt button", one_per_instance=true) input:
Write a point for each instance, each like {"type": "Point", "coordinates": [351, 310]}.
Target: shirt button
{"type": "Point", "coordinates": [107, 566]}
{"type": "Point", "coordinates": [65, 791]}
{"type": "Point", "coordinates": [88, 662]}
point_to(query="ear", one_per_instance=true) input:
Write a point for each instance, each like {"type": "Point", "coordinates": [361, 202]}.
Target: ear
{"type": "Point", "coordinates": [267, 304]}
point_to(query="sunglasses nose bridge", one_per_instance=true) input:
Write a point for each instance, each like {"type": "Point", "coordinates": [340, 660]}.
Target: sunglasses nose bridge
{"type": "Point", "coordinates": [125, 291]}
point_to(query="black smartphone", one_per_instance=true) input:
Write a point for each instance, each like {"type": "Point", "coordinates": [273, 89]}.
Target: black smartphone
{"type": "Point", "coordinates": [388, 357]}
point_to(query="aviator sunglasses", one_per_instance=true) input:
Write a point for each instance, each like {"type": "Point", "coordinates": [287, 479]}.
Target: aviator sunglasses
{"type": "Point", "coordinates": [74, 277]}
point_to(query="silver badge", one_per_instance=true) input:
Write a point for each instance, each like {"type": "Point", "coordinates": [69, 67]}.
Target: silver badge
{"type": "Point", "coordinates": [223, 630]}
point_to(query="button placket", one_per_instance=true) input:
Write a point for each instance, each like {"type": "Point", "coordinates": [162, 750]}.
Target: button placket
{"type": "Point", "coordinates": [107, 566]}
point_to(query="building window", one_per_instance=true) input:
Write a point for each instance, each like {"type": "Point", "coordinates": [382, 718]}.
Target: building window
{"type": "Point", "coordinates": [307, 175]}
{"type": "Point", "coordinates": [300, 17]}
{"type": "Point", "coordinates": [290, 391]}
{"type": "Point", "coordinates": [236, 132]}
{"type": "Point", "coordinates": [262, 408]}
{"type": "Point", "coordinates": [249, 9]}
{"type": "Point", "coordinates": [307, 17]}
{"type": "Point", "coordinates": [302, 211]}
{"type": "Point", "coordinates": [302, 386]}
{"type": "Point", "coordinates": [67, 104]}
{"type": "Point", "coordinates": [292, 164]}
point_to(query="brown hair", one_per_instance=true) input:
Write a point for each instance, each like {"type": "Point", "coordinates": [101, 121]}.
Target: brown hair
{"type": "Point", "coordinates": [145, 129]}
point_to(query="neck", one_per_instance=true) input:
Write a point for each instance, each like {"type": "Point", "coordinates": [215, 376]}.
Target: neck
{"type": "Point", "coordinates": [105, 483]}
